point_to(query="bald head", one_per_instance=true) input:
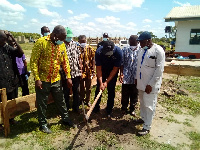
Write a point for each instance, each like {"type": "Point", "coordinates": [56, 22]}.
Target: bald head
{"type": "Point", "coordinates": [3, 38]}
{"type": "Point", "coordinates": [59, 30]}
{"type": "Point", "coordinates": [59, 33]}
{"type": "Point", "coordinates": [133, 40]}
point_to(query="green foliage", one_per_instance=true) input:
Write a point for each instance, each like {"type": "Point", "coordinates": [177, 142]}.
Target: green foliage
{"type": "Point", "coordinates": [187, 123]}
{"type": "Point", "coordinates": [195, 137]}
{"type": "Point", "coordinates": [106, 138]}
{"type": "Point", "coordinates": [27, 35]}
{"type": "Point", "coordinates": [171, 119]}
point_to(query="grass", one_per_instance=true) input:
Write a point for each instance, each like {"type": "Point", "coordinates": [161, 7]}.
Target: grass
{"type": "Point", "coordinates": [106, 138]}
{"type": "Point", "coordinates": [191, 103]}
{"type": "Point", "coordinates": [172, 119]}
{"type": "Point", "coordinates": [195, 137]}
{"type": "Point", "coordinates": [146, 143]}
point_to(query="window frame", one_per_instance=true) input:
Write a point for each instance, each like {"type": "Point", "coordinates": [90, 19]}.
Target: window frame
{"type": "Point", "coordinates": [193, 33]}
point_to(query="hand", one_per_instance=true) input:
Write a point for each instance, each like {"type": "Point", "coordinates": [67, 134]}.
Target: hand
{"type": "Point", "coordinates": [69, 83]}
{"type": "Point", "coordinates": [8, 34]}
{"type": "Point", "coordinates": [105, 84]}
{"type": "Point", "coordinates": [135, 81]}
{"type": "Point", "coordinates": [148, 89]}
{"type": "Point", "coordinates": [38, 84]}
{"type": "Point", "coordinates": [102, 86]}
{"type": "Point", "coordinates": [121, 78]}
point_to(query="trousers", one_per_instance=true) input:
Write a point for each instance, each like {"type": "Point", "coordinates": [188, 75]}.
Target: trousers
{"type": "Point", "coordinates": [76, 93]}
{"type": "Point", "coordinates": [129, 91]}
{"type": "Point", "coordinates": [147, 107]}
{"type": "Point", "coordinates": [42, 96]}
{"type": "Point", "coordinates": [111, 94]}
{"type": "Point", "coordinates": [85, 89]}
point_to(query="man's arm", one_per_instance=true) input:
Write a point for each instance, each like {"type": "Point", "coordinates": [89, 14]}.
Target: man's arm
{"type": "Point", "coordinates": [112, 74]}
{"type": "Point", "coordinates": [121, 74]}
{"type": "Point", "coordinates": [19, 51]}
{"type": "Point", "coordinates": [25, 65]}
{"type": "Point", "coordinates": [66, 67]}
{"type": "Point", "coordinates": [34, 61]}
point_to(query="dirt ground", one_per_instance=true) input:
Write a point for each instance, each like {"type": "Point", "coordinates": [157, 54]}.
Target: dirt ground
{"type": "Point", "coordinates": [123, 128]}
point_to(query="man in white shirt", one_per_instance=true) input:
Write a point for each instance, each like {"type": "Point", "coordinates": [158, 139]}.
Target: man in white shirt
{"type": "Point", "coordinates": [150, 67]}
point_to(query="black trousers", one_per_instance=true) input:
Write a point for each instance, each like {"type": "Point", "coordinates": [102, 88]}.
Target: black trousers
{"type": "Point", "coordinates": [25, 89]}
{"type": "Point", "coordinates": [111, 94]}
{"type": "Point", "coordinates": [129, 91]}
{"type": "Point", "coordinates": [76, 93]}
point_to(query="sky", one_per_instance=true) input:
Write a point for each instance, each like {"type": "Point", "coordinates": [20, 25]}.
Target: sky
{"type": "Point", "coordinates": [89, 17]}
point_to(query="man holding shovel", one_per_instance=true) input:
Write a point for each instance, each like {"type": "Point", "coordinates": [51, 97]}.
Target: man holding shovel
{"type": "Point", "coordinates": [108, 61]}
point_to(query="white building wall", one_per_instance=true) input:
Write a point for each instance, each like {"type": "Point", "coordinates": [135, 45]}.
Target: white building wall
{"type": "Point", "coordinates": [183, 36]}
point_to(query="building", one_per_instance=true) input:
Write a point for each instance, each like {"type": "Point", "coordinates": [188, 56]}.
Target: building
{"type": "Point", "coordinates": [187, 22]}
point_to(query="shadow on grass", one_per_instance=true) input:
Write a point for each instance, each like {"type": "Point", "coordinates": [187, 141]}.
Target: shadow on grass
{"type": "Point", "coordinates": [28, 122]}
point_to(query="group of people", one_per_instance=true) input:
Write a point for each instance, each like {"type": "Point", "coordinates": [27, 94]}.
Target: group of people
{"type": "Point", "coordinates": [59, 64]}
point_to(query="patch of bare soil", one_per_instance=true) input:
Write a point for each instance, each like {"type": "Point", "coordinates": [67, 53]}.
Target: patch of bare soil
{"type": "Point", "coordinates": [122, 128]}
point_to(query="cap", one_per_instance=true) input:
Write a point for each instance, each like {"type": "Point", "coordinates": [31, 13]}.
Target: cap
{"type": "Point", "coordinates": [105, 35]}
{"type": "Point", "coordinates": [108, 47]}
{"type": "Point", "coordinates": [69, 32]}
{"type": "Point", "coordinates": [144, 36]}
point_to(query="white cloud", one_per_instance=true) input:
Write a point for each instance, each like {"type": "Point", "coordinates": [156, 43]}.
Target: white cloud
{"type": "Point", "coordinates": [91, 24]}
{"type": "Point", "coordinates": [42, 3]}
{"type": "Point", "coordinates": [9, 22]}
{"type": "Point", "coordinates": [7, 6]}
{"type": "Point", "coordinates": [146, 26]}
{"type": "Point", "coordinates": [146, 21]}
{"type": "Point", "coordinates": [121, 5]}
{"type": "Point", "coordinates": [48, 13]}
{"type": "Point", "coordinates": [108, 20]}
{"type": "Point", "coordinates": [70, 11]}
{"type": "Point", "coordinates": [80, 17]}
{"type": "Point", "coordinates": [10, 13]}
{"type": "Point", "coordinates": [34, 21]}
{"type": "Point", "coordinates": [182, 4]}
{"type": "Point", "coordinates": [131, 24]}
{"type": "Point", "coordinates": [159, 21]}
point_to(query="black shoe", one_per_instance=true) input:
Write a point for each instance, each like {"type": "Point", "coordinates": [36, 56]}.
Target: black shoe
{"type": "Point", "coordinates": [143, 132]}
{"type": "Point", "coordinates": [138, 121]}
{"type": "Point", "coordinates": [76, 111]}
{"type": "Point", "coordinates": [96, 110]}
{"type": "Point", "coordinates": [69, 123]}
{"type": "Point", "coordinates": [45, 129]}
{"type": "Point", "coordinates": [12, 121]}
{"type": "Point", "coordinates": [109, 115]}
{"type": "Point", "coordinates": [124, 111]}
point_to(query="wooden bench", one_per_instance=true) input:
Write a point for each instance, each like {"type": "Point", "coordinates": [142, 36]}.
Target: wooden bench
{"type": "Point", "coordinates": [12, 108]}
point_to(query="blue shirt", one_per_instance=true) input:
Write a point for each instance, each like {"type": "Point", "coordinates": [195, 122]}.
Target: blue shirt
{"type": "Point", "coordinates": [107, 63]}
{"type": "Point", "coordinates": [129, 63]}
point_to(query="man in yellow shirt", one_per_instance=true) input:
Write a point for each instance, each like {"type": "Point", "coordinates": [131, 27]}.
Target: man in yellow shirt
{"type": "Point", "coordinates": [48, 54]}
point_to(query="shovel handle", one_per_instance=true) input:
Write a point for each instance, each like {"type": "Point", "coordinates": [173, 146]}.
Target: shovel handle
{"type": "Point", "coordinates": [87, 116]}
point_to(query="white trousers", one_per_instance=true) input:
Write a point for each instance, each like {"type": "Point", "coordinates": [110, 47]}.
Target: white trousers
{"type": "Point", "coordinates": [147, 107]}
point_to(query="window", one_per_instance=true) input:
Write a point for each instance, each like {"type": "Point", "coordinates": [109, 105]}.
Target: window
{"type": "Point", "coordinates": [195, 36]}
